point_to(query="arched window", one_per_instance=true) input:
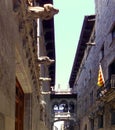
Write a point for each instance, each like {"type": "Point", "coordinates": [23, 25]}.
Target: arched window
{"type": "Point", "coordinates": [55, 107]}
{"type": "Point", "coordinates": [63, 107]}
{"type": "Point", "coordinates": [112, 69]}
{"type": "Point", "coordinates": [71, 107]}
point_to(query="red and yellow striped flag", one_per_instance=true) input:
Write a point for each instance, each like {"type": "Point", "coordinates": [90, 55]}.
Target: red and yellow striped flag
{"type": "Point", "coordinates": [101, 80]}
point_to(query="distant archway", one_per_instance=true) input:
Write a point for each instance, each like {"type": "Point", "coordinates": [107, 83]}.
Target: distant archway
{"type": "Point", "coordinates": [63, 106]}
{"type": "Point", "coordinates": [55, 107]}
{"type": "Point", "coordinates": [71, 107]}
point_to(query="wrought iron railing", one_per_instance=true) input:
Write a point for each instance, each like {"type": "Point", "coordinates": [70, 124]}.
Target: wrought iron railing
{"type": "Point", "coordinates": [113, 81]}
{"type": "Point", "coordinates": [109, 85]}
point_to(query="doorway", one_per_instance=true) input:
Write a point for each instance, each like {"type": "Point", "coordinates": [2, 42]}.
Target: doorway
{"type": "Point", "coordinates": [19, 107]}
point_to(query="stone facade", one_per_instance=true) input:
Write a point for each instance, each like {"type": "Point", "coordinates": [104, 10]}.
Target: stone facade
{"type": "Point", "coordinates": [7, 66]}
{"type": "Point", "coordinates": [95, 107]}
{"type": "Point", "coordinates": [20, 87]}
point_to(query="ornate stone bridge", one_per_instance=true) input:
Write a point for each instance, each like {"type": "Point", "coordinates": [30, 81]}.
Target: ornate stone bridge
{"type": "Point", "coordinates": [63, 107]}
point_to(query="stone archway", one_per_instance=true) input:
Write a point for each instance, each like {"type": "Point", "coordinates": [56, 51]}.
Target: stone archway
{"type": "Point", "coordinates": [63, 106]}
{"type": "Point", "coordinates": [55, 107]}
{"type": "Point", "coordinates": [71, 107]}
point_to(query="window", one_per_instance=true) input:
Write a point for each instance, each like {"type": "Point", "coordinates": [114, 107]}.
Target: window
{"type": "Point", "coordinates": [93, 37]}
{"type": "Point", "coordinates": [91, 98]}
{"type": "Point", "coordinates": [100, 121]}
{"type": "Point", "coordinates": [85, 105]}
{"type": "Point", "coordinates": [111, 70]}
{"type": "Point", "coordinates": [55, 108]}
{"type": "Point", "coordinates": [102, 52]}
{"type": "Point", "coordinates": [63, 107]}
{"type": "Point", "coordinates": [71, 107]}
{"type": "Point", "coordinates": [113, 33]}
{"type": "Point", "coordinates": [90, 75]}
{"type": "Point", "coordinates": [85, 82]}
{"type": "Point", "coordinates": [113, 117]}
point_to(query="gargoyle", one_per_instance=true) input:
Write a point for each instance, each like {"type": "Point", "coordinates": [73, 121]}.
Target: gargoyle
{"type": "Point", "coordinates": [30, 2]}
{"type": "Point", "coordinates": [45, 60]}
{"type": "Point", "coordinates": [46, 12]}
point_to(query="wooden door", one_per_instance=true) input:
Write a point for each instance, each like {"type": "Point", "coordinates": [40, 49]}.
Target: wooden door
{"type": "Point", "coordinates": [19, 107]}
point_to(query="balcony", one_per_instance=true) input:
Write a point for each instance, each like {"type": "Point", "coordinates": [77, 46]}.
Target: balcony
{"type": "Point", "coordinates": [107, 92]}
{"type": "Point", "coordinates": [64, 116]}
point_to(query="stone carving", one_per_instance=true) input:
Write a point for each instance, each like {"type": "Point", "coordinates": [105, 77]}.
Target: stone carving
{"type": "Point", "coordinates": [30, 2]}
{"type": "Point", "coordinates": [45, 60]}
{"type": "Point", "coordinates": [46, 12]}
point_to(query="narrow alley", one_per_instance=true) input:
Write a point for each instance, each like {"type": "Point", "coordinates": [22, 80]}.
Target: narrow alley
{"type": "Point", "coordinates": [29, 99]}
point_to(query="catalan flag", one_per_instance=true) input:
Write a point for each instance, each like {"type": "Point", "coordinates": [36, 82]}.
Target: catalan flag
{"type": "Point", "coordinates": [101, 80]}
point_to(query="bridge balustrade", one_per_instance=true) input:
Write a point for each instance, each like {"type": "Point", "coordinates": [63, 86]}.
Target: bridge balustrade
{"type": "Point", "coordinates": [63, 107]}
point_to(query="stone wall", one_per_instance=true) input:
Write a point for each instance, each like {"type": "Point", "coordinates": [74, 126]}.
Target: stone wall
{"type": "Point", "coordinates": [7, 66]}
{"type": "Point", "coordinates": [18, 57]}
{"type": "Point", "coordinates": [87, 81]}
{"type": "Point", "coordinates": [44, 85]}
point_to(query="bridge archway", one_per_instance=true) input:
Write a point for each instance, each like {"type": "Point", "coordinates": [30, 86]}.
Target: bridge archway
{"type": "Point", "coordinates": [67, 124]}
{"type": "Point", "coordinates": [63, 108]}
{"type": "Point", "coordinates": [55, 107]}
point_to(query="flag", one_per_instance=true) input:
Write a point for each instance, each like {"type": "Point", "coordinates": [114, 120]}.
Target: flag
{"type": "Point", "coordinates": [101, 80]}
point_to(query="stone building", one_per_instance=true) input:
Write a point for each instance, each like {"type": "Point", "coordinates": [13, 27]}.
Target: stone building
{"type": "Point", "coordinates": [96, 105]}
{"type": "Point", "coordinates": [27, 47]}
